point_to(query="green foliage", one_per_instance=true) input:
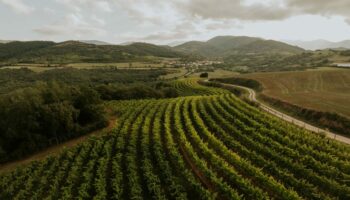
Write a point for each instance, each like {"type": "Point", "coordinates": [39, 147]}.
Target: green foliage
{"type": "Point", "coordinates": [234, 90]}
{"type": "Point", "coordinates": [223, 46]}
{"type": "Point", "coordinates": [73, 51]}
{"type": "Point", "coordinates": [190, 87]}
{"type": "Point", "coordinates": [16, 49]}
{"type": "Point", "coordinates": [198, 147]}
{"type": "Point", "coordinates": [262, 62]}
{"type": "Point", "coordinates": [250, 83]}
{"type": "Point", "coordinates": [204, 75]}
{"type": "Point", "coordinates": [45, 114]}
{"type": "Point", "coordinates": [11, 79]}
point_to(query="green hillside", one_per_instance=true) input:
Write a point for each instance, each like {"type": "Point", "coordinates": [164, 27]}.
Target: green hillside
{"type": "Point", "coordinates": [17, 49]}
{"type": "Point", "coordinates": [74, 51]}
{"type": "Point", "coordinates": [269, 46]}
{"type": "Point", "coordinates": [208, 146]}
{"type": "Point", "coordinates": [223, 46]}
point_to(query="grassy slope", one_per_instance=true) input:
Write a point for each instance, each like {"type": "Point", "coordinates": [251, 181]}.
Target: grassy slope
{"type": "Point", "coordinates": [324, 90]}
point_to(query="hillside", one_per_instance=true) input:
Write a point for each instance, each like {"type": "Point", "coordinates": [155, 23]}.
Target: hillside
{"type": "Point", "coordinates": [222, 46]}
{"type": "Point", "coordinates": [269, 46]}
{"type": "Point", "coordinates": [208, 146]}
{"type": "Point", "coordinates": [75, 51]}
{"type": "Point", "coordinates": [326, 90]}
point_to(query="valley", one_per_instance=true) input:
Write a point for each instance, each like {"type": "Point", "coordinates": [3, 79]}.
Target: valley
{"type": "Point", "coordinates": [175, 100]}
{"type": "Point", "coordinates": [140, 121]}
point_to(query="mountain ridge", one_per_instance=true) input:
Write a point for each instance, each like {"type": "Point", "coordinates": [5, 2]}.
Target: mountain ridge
{"type": "Point", "coordinates": [320, 44]}
{"type": "Point", "coordinates": [76, 51]}
{"type": "Point", "coordinates": [222, 46]}
{"type": "Point", "coordinates": [96, 42]}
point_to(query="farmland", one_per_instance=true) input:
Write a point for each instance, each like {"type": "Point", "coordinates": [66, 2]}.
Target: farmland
{"type": "Point", "coordinates": [207, 144]}
{"type": "Point", "coordinates": [325, 89]}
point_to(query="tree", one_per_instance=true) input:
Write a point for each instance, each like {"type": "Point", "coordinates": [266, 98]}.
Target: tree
{"type": "Point", "coordinates": [204, 75]}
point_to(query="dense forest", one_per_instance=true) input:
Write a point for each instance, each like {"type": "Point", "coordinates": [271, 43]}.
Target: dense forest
{"type": "Point", "coordinates": [47, 108]}
{"type": "Point", "coordinates": [46, 114]}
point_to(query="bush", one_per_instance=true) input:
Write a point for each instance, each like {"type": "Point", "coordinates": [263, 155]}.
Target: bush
{"type": "Point", "coordinates": [242, 81]}
{"type": "Point", "coordinates": [204, 75]}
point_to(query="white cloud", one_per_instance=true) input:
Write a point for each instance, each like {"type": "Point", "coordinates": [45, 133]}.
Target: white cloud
{"type": "Point", "coordinates": [98, 20]}
{"type": "Point", "coordinates": [49, 10]}
{"type": "Point", "coordinates": [164, 21]}
{"type": "Point", "coordinates": [94, 5]}
{"type": "Point", "coordinates": [71, 24]}
{"type": "Point", "coordinates": [181, 31]}
{"type": "Point", "coordinates": [18, 6]}
{"type": "Point", "coordinates": [103, 5]}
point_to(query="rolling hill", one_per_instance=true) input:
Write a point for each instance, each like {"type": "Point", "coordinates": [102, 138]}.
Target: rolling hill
{"type": "Point", "coordinates": [96, 42]}
{"type": "Point", "coordinates": [97, 51]}
{"type": "Point", "coordinates": [75, 51]}
{"type": "Point", "coordinates": [321, 44]}
{"type": "Point", "coordinates": [4, 41]}
{"type": "Point", "coordinates": [222, 46]}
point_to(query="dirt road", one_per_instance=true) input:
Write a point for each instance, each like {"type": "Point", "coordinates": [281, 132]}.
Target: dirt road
{"type": "Point", "coordinates": [252, 96]}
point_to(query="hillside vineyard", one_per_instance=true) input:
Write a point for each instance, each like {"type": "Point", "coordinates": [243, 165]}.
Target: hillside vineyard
{"type": "Point", "coordinates": [207, 145]}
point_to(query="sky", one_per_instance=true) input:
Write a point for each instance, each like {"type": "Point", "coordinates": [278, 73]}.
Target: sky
{"type": "Point", "coordinates": [167, 21]}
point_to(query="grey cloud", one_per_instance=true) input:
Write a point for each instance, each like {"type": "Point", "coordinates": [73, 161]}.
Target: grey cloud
{"type": "Point", "coordinates": [338, 7]}
{"type": "Point", "coordinates": [232, 9]}
{"type": "Point", "coordinates": [181, 31]}
{"type": "Point", "coordinates": [224, 24]}
{"type": "Point", "coordinates": [164, 36]}
{"type": "Point", "coordinates": [322, 7]}
{"type": "Point", "coordinates": [71, 24]}
{"type": "Point", "coordinates": [275, 10]}
{"type": "Point", "coordinates": [18, 6]}
{"type": "Point", "coordinates": [146, 11]}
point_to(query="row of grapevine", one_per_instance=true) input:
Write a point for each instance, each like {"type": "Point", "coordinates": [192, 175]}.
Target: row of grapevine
{"type": "Point", "coordinates": [190, 87]}
{"type": "Point", "coordinates": [198, 147]}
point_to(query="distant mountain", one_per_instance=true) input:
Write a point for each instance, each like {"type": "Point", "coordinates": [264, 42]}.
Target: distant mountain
{"type": "Point", "coordinates": [96, 42]}
{"type": "Point", "coordinates": [222, 46]}
{"type": "Point", "coordinates": [75, 51]}
{"type": "Point", "coordinates": [5, 41]}
{"type": "Point", "coordinates": [127, 43]}
{"type": "Point", "coordinates": [175, 43]}
{"type": "Point", "coordinates": [320, 44]}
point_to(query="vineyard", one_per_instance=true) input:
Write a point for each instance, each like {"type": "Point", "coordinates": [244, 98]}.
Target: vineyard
{"type": "Point", "coordinates": [190, 87]}
{"type": "Point", "coordinates": [207, 144]}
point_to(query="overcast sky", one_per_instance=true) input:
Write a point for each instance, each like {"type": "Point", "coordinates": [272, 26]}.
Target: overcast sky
{"type": "Point", "coordinates": [165, 21]}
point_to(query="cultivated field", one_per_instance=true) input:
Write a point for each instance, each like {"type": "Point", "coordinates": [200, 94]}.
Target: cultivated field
{"type": "Point", "coordinates": [43, 67]}
{"type": "Point", "coordinates": [218, 73]}
{"type": "Point", "coordinates": [210, 145]}
{"type": "Point", "coordinates": [325, 89]}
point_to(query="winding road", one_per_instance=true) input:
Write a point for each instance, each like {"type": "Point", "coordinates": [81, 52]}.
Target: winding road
{"type": "Point", "coordinates": [252, 96]}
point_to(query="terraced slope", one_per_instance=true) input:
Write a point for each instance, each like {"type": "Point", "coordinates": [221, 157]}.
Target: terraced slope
{"type": "Point", "coordinates": [195, 147]}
